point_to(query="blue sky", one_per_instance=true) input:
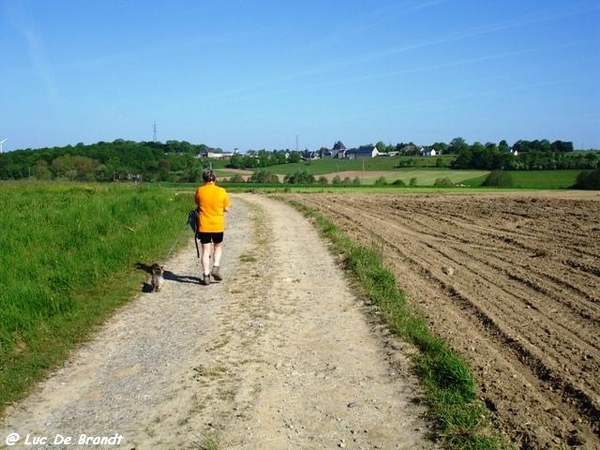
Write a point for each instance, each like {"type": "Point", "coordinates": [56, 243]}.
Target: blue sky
{"type": "Point", "coordinates": [275, 74]}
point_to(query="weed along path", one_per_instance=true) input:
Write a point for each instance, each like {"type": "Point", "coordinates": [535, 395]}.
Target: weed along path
{"type": "Point", "coordinates": [279, 355]}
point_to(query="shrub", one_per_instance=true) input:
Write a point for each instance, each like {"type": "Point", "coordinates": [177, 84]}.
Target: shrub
{"type": "Point", "coordinates": [300, 177]}
{"type": "Point", "coordinates": [237, 178]}
{"type": "Point", "coordinates": [263, 176]}
{"type": "Point", "coordinates": [380, 181]}
{"type": "Point", "coordinates": [399, 183]}
{"type": "Point", "coordinates": [498, 178]}
{"type": "Point", "coordinates": [588, 180]}
{"type": "Point", "coordinates": [443, 182]}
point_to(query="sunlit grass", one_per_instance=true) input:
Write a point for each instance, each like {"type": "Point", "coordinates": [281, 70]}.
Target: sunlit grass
{"type": "Point", "coordinates": [69, 258]}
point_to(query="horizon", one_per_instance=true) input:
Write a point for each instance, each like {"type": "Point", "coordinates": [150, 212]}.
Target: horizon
{"type": "Point", "coordinates": [236, 150]}
{"type": "Point", "coordinates": [265, 75]}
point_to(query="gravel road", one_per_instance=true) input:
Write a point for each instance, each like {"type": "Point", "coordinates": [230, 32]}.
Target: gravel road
{"type": "Point", "coordinates": [280, 355]}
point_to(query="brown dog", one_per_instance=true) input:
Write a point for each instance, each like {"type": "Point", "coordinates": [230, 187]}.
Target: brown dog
{"type": "Point", "coordinates": [158, 279]}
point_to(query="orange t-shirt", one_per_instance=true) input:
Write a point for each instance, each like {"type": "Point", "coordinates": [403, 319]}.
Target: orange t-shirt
{"type": "Point", "coordinates": [212, 201]}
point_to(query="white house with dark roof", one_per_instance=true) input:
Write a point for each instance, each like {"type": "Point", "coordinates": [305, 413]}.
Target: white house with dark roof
{"type": "Point", "coordinates": [364, 151]}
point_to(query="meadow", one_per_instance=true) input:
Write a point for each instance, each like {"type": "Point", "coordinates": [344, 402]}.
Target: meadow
{"type": "Point", "coordinates": [414, 172]}
{"type": "Point", "coordinates": [72, 254]}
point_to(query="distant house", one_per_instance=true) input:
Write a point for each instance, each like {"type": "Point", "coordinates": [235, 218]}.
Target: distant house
{"type": "Point", "coordinates": [364, 151]}
{"type": "Point", "coordinates": [308, 155]}
{"type": "Point", "coordinates": [428, 151]}
{"type": "Point", "coordinates": [214, 155]}
{"type": "Point", "coordinates": [338, 150]}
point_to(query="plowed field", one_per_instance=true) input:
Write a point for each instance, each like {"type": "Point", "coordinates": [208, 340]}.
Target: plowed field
{"type": "Point", "coordinates": [511, 280]}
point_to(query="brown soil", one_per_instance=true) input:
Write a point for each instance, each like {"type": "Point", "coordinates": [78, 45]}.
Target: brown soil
{"type": "Point", "coordinates": [511, 280]}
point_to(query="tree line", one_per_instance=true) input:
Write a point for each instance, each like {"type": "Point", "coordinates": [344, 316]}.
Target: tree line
{"type": "Point", "coordinates": [523, 155]}
{"type": "Point", "coordinates": [108, 161]}
{"type": "Point", "coordinates": [181, 161]}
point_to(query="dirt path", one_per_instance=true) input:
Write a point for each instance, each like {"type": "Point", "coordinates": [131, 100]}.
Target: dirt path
{"type": "Point", "coordinates": [511, 280]}
{"type": "Point", "coordinates": [279, 355]}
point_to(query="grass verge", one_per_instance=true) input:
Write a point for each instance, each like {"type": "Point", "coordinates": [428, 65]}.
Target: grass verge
{"type": "Point", "coordinates": [72, 254]}
{"type": "Point", "coordinates": [461, 421]}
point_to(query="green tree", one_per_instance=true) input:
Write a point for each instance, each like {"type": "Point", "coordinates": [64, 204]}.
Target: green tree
{"type": "Point", "coordinates": [41, 171]}
{"type": "Point", "coordinates": [62, 166]}
{"type": "Point", "coordinates": [295, 157]}
{"type": "Point", "coordinates": [463, 160]}
{"type": "Point", "coordinates": [237, 178]}
{"type": "Point", "coordinates": [440, 148]}
{"type": "Point", "coordinates": [300, 177]}
{"type": "Point", "coordinates": [457, 145]}
{"type": "Point", "coordinates": [563, 147]}
{"type": "Point", "coordinates": [592, 160]}
{"type": "Point", "coordinates": [85, 168]}
{"type": "Point", "coordinates": [503, 147]}
{"type": "Point", "coordinates": [249, 162]}
{"type": "Point", "coordinates": [236, 161]}
{"type": "Point", "coordinates": [380, 181]}
{"type": "Point", "coordinates": [263, 176]}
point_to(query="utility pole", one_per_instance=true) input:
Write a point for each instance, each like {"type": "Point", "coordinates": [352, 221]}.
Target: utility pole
{"type": "Point", "coordinates": [154, 132]}
{"type": "Point", "coordinates": [363, 172]}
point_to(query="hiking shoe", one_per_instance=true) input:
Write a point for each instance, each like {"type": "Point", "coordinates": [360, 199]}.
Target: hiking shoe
{"type": "Point", "coordinates": [205, 280]}
{"type": "Point", "coordinates": [216, 274]}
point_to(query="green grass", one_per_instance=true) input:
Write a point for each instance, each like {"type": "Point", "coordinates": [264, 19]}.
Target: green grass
{"type": "Point", "coordinates": [70, 255]}
{"type": "Point", "coordinates": [544, 179]}
{"type": "Point", "coordinates": [461, 420]}
{"type": "Point", "coordinates": [427, 177]}
{"type": "Point", "coordinates": [424, 172]}
{"type": "Point", "coordinates": [331, 165]}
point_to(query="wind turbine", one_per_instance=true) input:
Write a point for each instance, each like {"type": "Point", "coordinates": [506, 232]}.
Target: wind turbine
{"type": "Point", "coordinates": [2, 142]}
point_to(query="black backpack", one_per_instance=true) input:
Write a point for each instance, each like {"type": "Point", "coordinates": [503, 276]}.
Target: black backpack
{"type": "Point", "coordinates": [193, 223]}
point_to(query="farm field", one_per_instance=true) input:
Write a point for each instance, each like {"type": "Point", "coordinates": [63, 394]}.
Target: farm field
{"type": "Point", "coordinates": [421, 177]}
{"type": "Point", "coordinates": [512, 281]}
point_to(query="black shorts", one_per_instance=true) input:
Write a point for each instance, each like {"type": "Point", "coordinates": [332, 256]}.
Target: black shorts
{"type": "Point", "coordinates": [207, 238]}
